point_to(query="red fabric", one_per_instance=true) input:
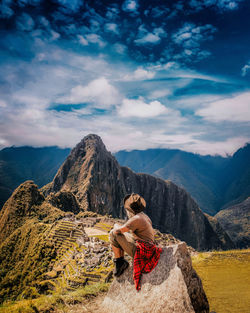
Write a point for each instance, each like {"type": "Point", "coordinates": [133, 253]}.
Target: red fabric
{"type": "Point", "coordinates": [145, 260]}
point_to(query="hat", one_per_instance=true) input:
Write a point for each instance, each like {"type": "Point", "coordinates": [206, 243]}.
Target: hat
{"type": "Point", "coordinates": [134, 203]}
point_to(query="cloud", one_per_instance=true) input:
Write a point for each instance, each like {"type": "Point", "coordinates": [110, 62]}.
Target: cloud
{"type": "Point", "coordinates": [130, 6]}
{"type": "Point", "coordinates": [72, 5]}
{"type": "Point", "coordinates": [96, 39]}
{"type": "Point", "coordinates": [223, 5]}
{"type": "Point", "coordinates": [111, 27]}
{"type": "Point", "coordinates": [5, 10]}
{"type": "Point", "coordinates": [25, 22]}
{"type": "Point", "coordinates": [235, 109]}
{"type": "Point", "coordinates": [190, 35]}
{"type": "Point", "coordinates": [139, 108]}
{"type": "Point", "coordinates": [99, 92]}
{"type": "Point", "coordinates": [139, 74]}
{"type": "Point", "coordinates": [153, 38]}
{"type": "Point", "coordinates": [3, 104]}
{"type": "Point", "coordinates": [120, 48]}
{"type": "Point", "coordinates": [245, 69]}
{"type": "Point", "coordinates": [149, 38]}
{"type": "Point", "coordinates": [82, 40]}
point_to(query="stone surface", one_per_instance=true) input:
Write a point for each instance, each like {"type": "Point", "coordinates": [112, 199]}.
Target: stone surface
{"type": "Point", "coordinates": [227, 242]}
{"type": "Point", "coordinates": [99, 184]}
{"type": "Point", "coordinates": [64, 201]}
{"type": "Point", "coordinates": [235, 220]}
{"type": "Point", "coordinates": [172, 287]}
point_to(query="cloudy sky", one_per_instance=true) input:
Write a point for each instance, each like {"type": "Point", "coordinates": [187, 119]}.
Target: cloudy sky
{"type": "Point", "coordinates": [141, 74]}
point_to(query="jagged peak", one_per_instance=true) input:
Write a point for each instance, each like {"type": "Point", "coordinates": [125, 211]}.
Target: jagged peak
{"type": "Point", "coordinates": [91, 141]}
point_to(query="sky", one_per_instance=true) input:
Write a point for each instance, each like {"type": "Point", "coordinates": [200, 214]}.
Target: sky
{"type": "Point", "coordinates": [140, 74]}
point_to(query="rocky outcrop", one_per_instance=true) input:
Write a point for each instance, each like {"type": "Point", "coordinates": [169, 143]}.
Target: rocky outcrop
{"type": "Point", "coordinates": [64, 201]}
{"type": "Point", "coordinates": [235, 220]}
{"type": "Point", "coordinates": [172, 286]}
{"type": "Point", "coordinates": [99, 184]}
{"type": "Point", "coordinates": [222, 234]}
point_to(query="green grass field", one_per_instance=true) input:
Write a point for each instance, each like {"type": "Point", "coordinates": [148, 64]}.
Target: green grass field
{"type": "Point", "coordinates": [226, 279]}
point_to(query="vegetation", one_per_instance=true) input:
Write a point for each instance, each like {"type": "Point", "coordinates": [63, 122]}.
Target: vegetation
{"type": "Point", "coordinates": [57, 302]}
{"type": "Point", "coordinates": [226, 279]}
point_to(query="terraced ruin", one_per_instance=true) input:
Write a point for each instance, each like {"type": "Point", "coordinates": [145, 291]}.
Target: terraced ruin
{"type": "Point", "coordinates": [84, 256]}
{"type": "Point", "coordinates": [81, 258]}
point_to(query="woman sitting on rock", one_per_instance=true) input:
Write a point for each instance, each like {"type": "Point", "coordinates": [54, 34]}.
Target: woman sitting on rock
{"type": "Point", "coordinates": [136, 238]}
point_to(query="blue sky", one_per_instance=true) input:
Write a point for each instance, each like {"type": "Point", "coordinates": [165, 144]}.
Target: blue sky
{"type": "Point", "coordinates": [141, 74]}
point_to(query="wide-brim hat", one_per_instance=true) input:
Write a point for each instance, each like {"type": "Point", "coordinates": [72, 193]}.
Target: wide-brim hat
{"type": "Point", "coordinates": [134, 203]}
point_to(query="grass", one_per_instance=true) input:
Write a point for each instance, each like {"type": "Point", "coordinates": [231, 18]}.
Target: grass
{"type": "Point", "coordinates": [102, 237]}
{"type": "Point", "coordinates": [53, 302]}
{"type": "Point", "coordinates": [226, 279]}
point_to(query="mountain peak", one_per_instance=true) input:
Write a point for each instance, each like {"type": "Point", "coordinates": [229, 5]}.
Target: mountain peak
{"type": "Point", "coordinates": [91, 141]}
{"type": "Point", "coordinates": [18, 207]}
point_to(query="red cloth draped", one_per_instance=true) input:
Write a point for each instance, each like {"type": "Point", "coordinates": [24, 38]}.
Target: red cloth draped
{"type": "Point", "coordinates": [145, 260]}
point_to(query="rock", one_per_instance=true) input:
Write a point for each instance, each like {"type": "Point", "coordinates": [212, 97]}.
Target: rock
{"type": "Point", "coordinates": [172, 287]}
{"type": "Point", "coordinates": [235, 220]}
{"type": "Point", "coordinates": [222, 234]}
{"type": "Point", "coordinates": [64, 201]}
{"type": "Point", "coordinates": [99, 184]}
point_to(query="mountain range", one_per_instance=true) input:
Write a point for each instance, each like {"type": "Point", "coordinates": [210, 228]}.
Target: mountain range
{"type": "Point", "coordinates": [40, 229]}
{"type": "Point", "coordinates": [214, 182]}
{"type": "Point", "coordinates": [18, 164]}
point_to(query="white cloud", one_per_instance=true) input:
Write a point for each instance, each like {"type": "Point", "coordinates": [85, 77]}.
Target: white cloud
{"type": "Point", "coordinates": [3, 104]}
{"type": "Point", "coordinates": [130, 5]}
{"type": "Point", "coordinates": [190, 35]}
{"type": "Point", "coordinates": [139, 74]}
{"type": "Point", "coordinates": [146, 37]}
{"type": "Point", "coordinates": [223, 5]}
{"type": "Point", "coordinates": [99, 92]}
{"type": "Point", "coordinates": [149, 38]}
{"type": "Point", "coordinates": [245, 69]}
{"type": "Point", "coordinates": [111, 27]}
{"type": "Point", "coordinates": [235, 109]}
{"type": "Point", "coordinates": [159, 93]}
{"type": "Point", "coordinates": [120, 48]}
{"type": "Point", "coordinates": [94, 38]}
{"type": "Point", "coordinates": [82, 40]}
{"type": "Point", "coordinates": [139, 108]}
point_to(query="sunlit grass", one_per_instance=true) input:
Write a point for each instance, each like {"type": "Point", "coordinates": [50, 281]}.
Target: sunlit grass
{"type": "Point", "coordinates": [226, 279]}
{"type": "Point", "coordinates": [51, 302]}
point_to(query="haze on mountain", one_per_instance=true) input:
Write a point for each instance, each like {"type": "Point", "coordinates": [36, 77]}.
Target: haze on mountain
{"type": "Point", "coordinates": [215, 182]}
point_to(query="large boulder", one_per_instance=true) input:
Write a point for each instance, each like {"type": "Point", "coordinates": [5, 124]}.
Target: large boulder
{"type": "Point", "coordinates": [173, 286]}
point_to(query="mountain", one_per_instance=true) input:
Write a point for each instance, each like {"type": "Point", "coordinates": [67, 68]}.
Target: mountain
{"type": "Point", "coordinates": [46, 251]}
{"type": "Point", "coordinates": [214, 182]}
{"type": "Point", "coordinates": [18, 164]}
{"type": "Point", "coordinates": [25, 249]}
{"type": "Point", "coordinates": [236, 177]}
{"type": "Point", "coordinates": [44, 245]}
{"type": "Point", "coordinates": [235, 220]}
{"type": "Point", "coordinates": [99, 183]}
